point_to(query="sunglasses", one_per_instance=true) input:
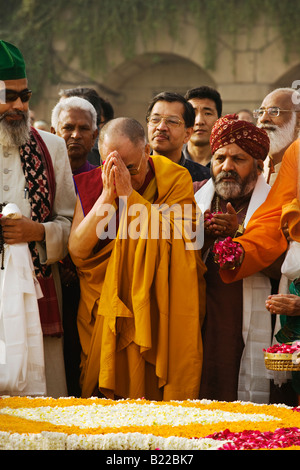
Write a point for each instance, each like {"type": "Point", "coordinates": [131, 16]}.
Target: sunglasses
{"type": "Point", "coordinates": [12, 95]}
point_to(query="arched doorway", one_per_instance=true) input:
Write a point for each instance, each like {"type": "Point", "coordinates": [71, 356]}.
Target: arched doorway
{"type": "Point", "coordinates": [287, 79]}
{"type": "Point", "coordinates": [141, 78]}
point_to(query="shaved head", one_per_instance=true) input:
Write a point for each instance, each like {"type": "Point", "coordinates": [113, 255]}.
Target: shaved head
{"type": "Point", "coordinates": [123, 127]}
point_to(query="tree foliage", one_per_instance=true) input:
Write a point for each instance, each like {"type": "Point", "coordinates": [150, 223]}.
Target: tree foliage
{"type": "Point", "coordinates": [90, 26]}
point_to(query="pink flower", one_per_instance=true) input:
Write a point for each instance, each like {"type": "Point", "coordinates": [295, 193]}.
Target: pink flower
{"type": "Point", "coordinates": [210, 215]}
{"type": "Point", "coordinates": [283, 348]}
{"type": "Point", "coordinates": [227, 251]}
{"type": "Point", "coordinates": [247, 440]}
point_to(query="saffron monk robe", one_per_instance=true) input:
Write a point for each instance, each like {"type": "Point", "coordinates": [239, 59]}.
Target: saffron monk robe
{"type": "Point", "coordinates": [142, 297]}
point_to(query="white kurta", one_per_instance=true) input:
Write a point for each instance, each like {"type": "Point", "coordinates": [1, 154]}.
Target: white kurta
{"type": "Point", "coordinates": [54, 248]}
{"type": "Point", "coordinates": [267, 169]}
{"type": "Point", "coordinates": [253, 377]}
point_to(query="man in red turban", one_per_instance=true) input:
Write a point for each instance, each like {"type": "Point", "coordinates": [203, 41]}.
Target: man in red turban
{"type": "Point", "coordinates": [237, 326]}
{"type": "Point", "coordinates": [229, 129]}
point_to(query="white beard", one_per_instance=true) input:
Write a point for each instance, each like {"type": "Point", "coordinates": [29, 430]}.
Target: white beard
{"type": "Point", "coordinates": [237, 189]}
{"type": "Point", "coordinates": [15, 133]}
{"type": "Point", "coordinates": [280, 137]}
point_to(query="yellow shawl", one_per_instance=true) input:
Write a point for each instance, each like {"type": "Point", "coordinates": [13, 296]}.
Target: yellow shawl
{"type": "Point", "coordinates": [142, 336]}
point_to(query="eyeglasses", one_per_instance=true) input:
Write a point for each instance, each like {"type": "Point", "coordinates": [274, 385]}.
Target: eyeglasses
{"type": "Point", "coordinates": [170, 121]}
{"type": "Point", "coordinates": [274, 111]}
{"type": "Point", "coordinates": [135, 171]}
{"type": "Point", "coordinates": [12, 95]}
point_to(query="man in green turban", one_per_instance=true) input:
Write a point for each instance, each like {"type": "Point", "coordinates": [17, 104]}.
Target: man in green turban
{"type": "Point", "coordinates": [14, 96]}
{"type": "Point", "coordinates": [12, 64]}
{"type": "Point", "coordinates": [35, 176]}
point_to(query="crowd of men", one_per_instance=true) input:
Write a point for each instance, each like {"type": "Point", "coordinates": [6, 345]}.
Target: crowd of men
{"type": "Point", "coordinates": [127, 299]}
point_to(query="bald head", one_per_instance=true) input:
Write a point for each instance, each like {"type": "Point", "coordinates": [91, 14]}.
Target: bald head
{"type": "Point", "coordinates": [289, 95]}
{"type": "Point", "coordinates": [126, 137]}
{"type": "Point", "coordinates": [123, 127]}
{"type": "Point", "coordinates": [286, 99]}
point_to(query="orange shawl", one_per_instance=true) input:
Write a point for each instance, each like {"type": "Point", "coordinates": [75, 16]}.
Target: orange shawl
{"type": "Point", "coordinates": [263, 240]}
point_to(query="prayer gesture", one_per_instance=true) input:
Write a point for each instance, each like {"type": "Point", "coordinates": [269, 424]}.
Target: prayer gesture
{"type": "Point", "coordinates": [283, 304]}
{"type": "Point", "coordinates": [116, 177]}
{"type": "Point", "coordinates": [219, 224]}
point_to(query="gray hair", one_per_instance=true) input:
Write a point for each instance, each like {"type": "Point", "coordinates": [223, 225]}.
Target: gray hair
{"type": "Point", "coordinates": [74, 102]}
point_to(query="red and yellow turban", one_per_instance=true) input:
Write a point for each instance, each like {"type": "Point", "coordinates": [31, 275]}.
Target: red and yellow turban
{"type": "Point", "coordinates": [230, 130]}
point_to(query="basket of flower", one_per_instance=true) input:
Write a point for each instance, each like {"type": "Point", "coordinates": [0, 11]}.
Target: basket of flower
{"type": "Point", "coordinates": [283, 357]}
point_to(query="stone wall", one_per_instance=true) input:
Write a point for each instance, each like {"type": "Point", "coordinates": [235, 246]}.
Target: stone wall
{"type": "Point", "coordinates": [245, 71]}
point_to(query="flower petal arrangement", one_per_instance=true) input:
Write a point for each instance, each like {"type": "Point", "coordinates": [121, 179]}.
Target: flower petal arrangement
{"type": "Point", "coordinates": [85, 424]}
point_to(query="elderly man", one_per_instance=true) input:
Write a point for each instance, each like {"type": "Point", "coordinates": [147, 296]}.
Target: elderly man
{"type": "Point", "coordinates": [36, 176]}
{"type": "Point", "coordinates": [264, 241]}
{"type": "Point", "coordinates": [278, 116]}
{"type": "Point", "coordinates": [75, 120]}
{"type": "Point", "coordinates": [104, 110]}
{"type": "Point", "coordinates": [237, 325]}
{"type": "Point", "coordinates": [207, 104]}
{"type": "Point", "coordinates": [170, 121]}
{"type": "Point", "coordinates": [140, 333]}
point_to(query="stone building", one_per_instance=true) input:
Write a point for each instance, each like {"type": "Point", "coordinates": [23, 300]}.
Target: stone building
{"type": "Point", "coordinates": [245, 71]}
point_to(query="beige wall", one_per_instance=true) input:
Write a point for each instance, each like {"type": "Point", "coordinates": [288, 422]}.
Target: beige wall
{"type": "Point", "coordinates": [244, 73]}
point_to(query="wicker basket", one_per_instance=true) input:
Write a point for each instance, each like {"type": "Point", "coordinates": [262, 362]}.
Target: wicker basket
{"type": "Point", "coordinates": [280, 361]}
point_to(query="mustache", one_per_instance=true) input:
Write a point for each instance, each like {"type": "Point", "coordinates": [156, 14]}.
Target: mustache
{"type": "Point", "coordinates": [13, 113]}
{"type": "Point", "coordinates": [156, 134]}
{"type": "Point", "coordinates": [227, 174]}
{"type": "Point", "coordinates": [268, 128]}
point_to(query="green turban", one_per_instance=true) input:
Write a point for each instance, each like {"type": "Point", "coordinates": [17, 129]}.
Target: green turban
{"type": "Point", "coordinates": [12, 65]}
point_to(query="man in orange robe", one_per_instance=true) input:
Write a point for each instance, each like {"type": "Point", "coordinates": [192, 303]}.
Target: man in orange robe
{"type": "Point", "coordinates": [264, 241]}
{"type": "Point", "coordinates": [142, 296]}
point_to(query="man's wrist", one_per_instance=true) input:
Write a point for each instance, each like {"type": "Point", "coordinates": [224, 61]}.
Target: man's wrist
{"type": "Point", "coordinates": [42, 233]}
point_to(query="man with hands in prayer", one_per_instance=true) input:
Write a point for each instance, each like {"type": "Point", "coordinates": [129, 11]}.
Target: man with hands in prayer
{"type": "Point", "coordinates": [140, 334]}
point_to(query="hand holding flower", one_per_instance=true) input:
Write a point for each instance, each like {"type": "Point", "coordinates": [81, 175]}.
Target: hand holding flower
{"type": "Point", "coordinates": [218, 224]}
{"type": "Point", "coordinates": [228, 254]}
